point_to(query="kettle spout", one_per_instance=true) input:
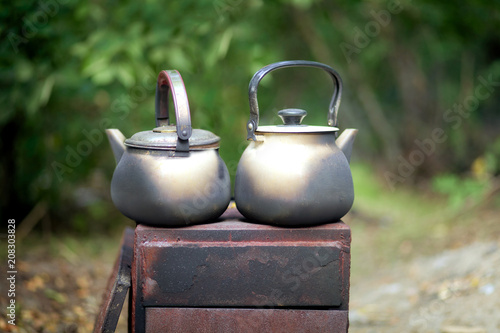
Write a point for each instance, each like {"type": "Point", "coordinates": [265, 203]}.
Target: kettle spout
{"type": "Point", "coordinates": [116, 140]}
{"type": "Point", "coordinates": [345, 141]}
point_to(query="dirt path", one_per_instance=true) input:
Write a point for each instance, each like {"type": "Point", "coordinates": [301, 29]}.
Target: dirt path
{"type": "Point", "coordinates": [456, 291]}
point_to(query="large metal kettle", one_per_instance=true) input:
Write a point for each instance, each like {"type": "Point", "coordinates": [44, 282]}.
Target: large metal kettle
{"type": "Point", "coordinates": [294, 174]}
{"type": "Point", "coordinates": [171, 175]}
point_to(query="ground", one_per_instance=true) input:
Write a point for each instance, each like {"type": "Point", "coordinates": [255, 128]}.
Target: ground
{"type": "Point", "coordinates": [455, 291]}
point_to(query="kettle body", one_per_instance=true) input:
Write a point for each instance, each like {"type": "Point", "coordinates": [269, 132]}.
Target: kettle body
{"type": "Point", "coordinates": [294, 174]}
{"type": "Point", "coordinates": [155, 188]}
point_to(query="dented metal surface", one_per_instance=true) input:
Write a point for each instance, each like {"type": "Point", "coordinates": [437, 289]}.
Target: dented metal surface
{"type": "Point", "coordinates": [245, 320]}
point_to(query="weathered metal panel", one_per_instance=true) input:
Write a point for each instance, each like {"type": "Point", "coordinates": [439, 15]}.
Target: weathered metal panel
{"type": "Point", "coordinates": [246, 274]}
{"type": "Point", "coordinates": [198, 320]}
{"type": "Point", "coordinates": [239, 264]}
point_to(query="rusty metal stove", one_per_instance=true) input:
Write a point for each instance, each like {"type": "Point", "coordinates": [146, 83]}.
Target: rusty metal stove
{"type": "Point", "coordinates": [233, 276]}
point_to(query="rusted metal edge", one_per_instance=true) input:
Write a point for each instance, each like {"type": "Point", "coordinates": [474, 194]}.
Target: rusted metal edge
{"type": "Point", "coordinates": [174, 320]}
{"type": "Point", "coordinates": [118, 285]}
{"type": "Point", "coordinates": [237, 231]}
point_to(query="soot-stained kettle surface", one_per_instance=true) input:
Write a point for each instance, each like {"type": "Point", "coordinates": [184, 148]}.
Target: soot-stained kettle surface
{"type": "Point", "coordinates": [294, 174]}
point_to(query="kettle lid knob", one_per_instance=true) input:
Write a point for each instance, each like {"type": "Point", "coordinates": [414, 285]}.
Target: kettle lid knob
{"type": "Point", "coordinates": [292, 116]}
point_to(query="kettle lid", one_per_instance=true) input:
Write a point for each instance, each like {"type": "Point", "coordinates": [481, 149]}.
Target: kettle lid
{"type": "Point", "coordinates": [292, 123]}
{"type": "Point", "coordinates": [166, 138]}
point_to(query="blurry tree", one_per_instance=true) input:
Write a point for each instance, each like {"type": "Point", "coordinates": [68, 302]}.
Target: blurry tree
{"type": "Point", "coordinates": [69, 69]}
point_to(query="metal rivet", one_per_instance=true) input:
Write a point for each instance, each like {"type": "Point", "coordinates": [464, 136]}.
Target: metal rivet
{"type": "Point", "coordinates": [330, 122]}
{"type": "Point", "coordinates": [250, 126]}
{"type": "Point", "coordinates": [184, 133]}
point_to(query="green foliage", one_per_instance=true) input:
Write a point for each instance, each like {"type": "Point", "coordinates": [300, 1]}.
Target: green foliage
{"type": "Point", "coordinates": [70, 68]}
{"type": "Point", "coordinates": [462, 192]}
{"type": "Point", "coordinates": [465, 191]}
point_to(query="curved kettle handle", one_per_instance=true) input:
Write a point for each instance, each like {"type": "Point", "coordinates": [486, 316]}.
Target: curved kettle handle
{"type": "Point", "coordinates": [252, 91]}
{"type": "Point", "coordinates": [172, 80]}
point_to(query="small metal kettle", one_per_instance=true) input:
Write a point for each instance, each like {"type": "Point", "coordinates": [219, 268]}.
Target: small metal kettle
{"type": "Point", "coordinates": [171, 175]}
{"type": "Point", "coordinates": [294, 174]}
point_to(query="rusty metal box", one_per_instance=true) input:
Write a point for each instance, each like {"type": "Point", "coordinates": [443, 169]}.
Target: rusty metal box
{"type": "Point", "coordinates": [239, 265]}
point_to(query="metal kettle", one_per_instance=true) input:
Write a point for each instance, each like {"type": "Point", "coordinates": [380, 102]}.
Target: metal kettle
{"type": "Point", "coordinates": [294, 174]}
{"type": "Point", "coordinates": [171, 175]}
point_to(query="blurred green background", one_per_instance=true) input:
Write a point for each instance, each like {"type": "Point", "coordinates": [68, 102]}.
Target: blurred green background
{"type": "Point", "coordinates": [421, 82]}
